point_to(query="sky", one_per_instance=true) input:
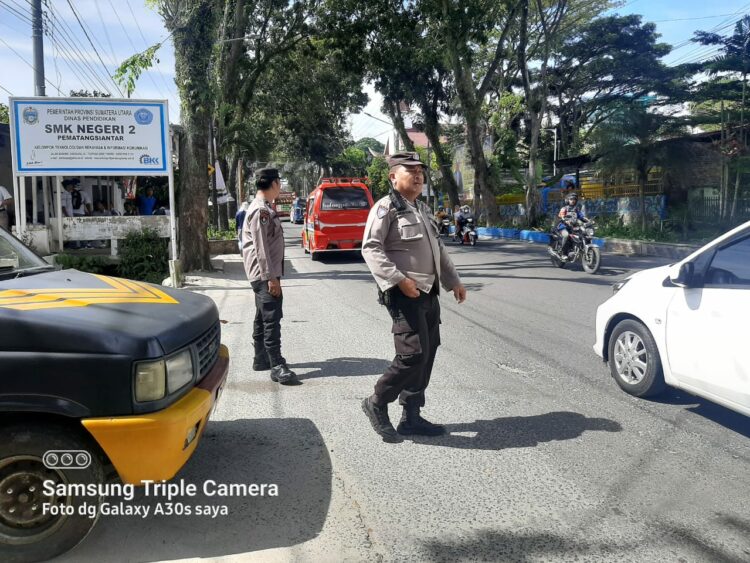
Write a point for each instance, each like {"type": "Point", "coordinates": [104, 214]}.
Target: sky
{"type": "Point", "coordinates": [120, 28]}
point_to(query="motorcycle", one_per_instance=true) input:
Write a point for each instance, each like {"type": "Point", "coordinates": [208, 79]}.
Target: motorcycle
{"type": "Point", "coordinates": [580, 246]}
{"type": "Point", "coordinates": [444, 226]}
{"type": "Point", "coordinates": [468, 234]}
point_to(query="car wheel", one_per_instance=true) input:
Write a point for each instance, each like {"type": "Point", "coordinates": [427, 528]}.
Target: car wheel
{"type": "Point", "coordinates": [27, 531]}
{"type": "Point", "coordinates": [634, 359]}
{"type": "Point", "coordinates": [315, 256]}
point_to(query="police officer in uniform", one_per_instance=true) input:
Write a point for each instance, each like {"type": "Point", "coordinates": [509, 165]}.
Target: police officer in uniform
{"type": "Point", "coordinates": [263, 255]}
{"type": "Point", "coordinates": [409, 263]}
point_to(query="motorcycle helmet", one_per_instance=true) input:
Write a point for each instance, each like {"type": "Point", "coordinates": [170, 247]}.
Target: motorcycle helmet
{"type": "Point", "coordinates": [465, 209]}
{"type": "Point", "coordinates": [571, 199]}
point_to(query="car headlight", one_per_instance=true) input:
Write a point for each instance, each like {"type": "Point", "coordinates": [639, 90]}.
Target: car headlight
{"type": "Point", "coordinates": [150, 381]}
{"type": "Point", "coordinates": [619, 285]}
{"type": "Point", "coordinates": [179, 370]}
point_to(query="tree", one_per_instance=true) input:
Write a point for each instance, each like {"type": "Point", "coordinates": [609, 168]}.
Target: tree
{"type": "Point", "coordinates": [366, 143]}
{"type": "Point", "coordinates": [4, 114]}
{"type": "Point", "coordinates": [734, 61]}
{"type": "Point", "coordinates": [377, 174]}
{"type": "Point", "coordinates": [632, 139]}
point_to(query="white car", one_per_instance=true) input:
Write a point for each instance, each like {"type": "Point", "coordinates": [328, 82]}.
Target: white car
{"type": "Point", "coordinates": [684, 325]}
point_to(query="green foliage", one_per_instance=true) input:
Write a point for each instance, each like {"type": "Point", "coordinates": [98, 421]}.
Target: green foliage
{"type": "Point", "coordinates": [352, 161]}
{"type": "Point", "coordinates": [144, 256]}
{"type": "Point", "coordinates": [4, 115]}
{"type": "Point", "coordinates": [91, 264]}
{"type": "Point", "coordinates": [370, 143]}
{"type": "Point", "coordinates": [217, 234]}
{"type": "Point", "coordinates": [377, 173]}
{"type": "Point", "coordinates": [614, 227]}
{"type": "Point", "coordinates": [130, 70]}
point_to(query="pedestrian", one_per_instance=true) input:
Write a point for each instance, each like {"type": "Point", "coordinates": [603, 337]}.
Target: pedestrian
{"type": "Point", "coordinates": [263, 255]}
{"type": "Point", "coordinates": [147, 203]}
{"type": "Point", "coordinates": [6, 203]}
{"type": "Point", "coordinates": [239, 222]}
{"type": "Point", "coordinates": [409, 263]}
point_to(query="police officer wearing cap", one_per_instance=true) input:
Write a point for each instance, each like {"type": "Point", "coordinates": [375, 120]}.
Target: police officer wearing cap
{"type": "Point", "coordinates": [409, 263]}
{"type": "Point", "coordinates": [263, 255]}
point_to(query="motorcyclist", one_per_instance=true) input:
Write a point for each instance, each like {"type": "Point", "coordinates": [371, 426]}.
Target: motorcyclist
{"type": "Point", "coordinates": [461, 219]}
{"type": "Point", "coordinates": [569, 209]}
{"type": "Point", "coordinates": [440, 214]}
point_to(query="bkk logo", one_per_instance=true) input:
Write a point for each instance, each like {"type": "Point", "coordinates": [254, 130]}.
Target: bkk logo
{"type": "Point", "coordinates": [146, 159]}
{"type": "Point", "coordinates": [30, 115]}
{"type": "Point", "coordinates": [143, 116]}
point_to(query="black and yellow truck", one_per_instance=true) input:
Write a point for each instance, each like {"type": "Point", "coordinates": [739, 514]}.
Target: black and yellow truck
{"type": "Point", "coordinates": [101, 379]}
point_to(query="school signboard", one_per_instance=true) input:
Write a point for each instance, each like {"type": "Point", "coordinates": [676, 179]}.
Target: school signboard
{"type": "Point", "coordinates": [89, 137]}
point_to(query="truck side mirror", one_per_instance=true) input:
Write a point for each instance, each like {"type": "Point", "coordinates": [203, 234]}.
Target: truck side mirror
{"type": "Point", "coordinates": [683, 275]}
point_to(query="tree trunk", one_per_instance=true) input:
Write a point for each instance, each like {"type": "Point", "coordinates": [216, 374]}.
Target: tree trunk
{"type": "Point", "coordinates": [394, 112]}
{"type": "Point", "coordinates": [532, 176]}
{"type": "Point", "coordinates": [445, 162]}
{"type": "Point", "coordinates": [192, 29]}
{"type": "Point", "coordinates": [642, 178]}
{"type": "Point", "coordinates": [214, 214]}
{"type": "Point", "coordinates": [193, 216]}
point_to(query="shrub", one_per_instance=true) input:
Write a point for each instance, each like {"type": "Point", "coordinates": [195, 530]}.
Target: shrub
{"type": "Point", "coordinates": [90, 264]}
{"type": "Point", "coordinates": [144, 256]}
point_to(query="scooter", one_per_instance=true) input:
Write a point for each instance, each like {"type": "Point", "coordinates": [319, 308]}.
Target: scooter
{"type": "Point", "coordinates": [445, 226]}
{"type": "Point", "coordinates": [468, 234]}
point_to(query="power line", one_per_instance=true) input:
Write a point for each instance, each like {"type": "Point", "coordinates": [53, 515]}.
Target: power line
{"type": "Point", "coordinates": [691, 19]}
{"type": "Point", "coordinates": [28, 63]}
{"type": "Point", "coordinates": [19, 15]}
{"type": "Point", "coordinates": [4, 88]}
{"type": "Point", "coordinates": [106, 32]}
{"type": "Point", "coordinates": [69, 38]}
{"type": "Point", "coordinates": [98, 56]}
{"type": "Point", "coordinates": [145, 42]}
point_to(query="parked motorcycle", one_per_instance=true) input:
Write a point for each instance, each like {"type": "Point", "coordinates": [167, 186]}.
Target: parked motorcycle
{"type": "Point", "coordinates": [580, 246]}
{"type": "Point", "coordinates": [468, 234]}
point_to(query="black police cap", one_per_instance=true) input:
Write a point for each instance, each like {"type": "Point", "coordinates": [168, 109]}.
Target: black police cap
{"type": "Point", "coordinates": [404, 159]}
{"type": "Point", "coordinates": [267, 174]}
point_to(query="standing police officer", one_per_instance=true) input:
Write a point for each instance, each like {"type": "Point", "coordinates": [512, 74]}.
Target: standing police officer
{"type": "Point", "coordinates": [409, 262]}
{"type": "Point", "coordinates": [263, 254]}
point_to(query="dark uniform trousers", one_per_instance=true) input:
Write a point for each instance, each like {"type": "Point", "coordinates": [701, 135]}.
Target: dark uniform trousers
{"type": "Point", "coordinates": [267, 325]}
{"type": "Point", "coordinates": [416, 335]}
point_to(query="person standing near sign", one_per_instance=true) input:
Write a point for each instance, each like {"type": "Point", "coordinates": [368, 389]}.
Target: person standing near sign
{"type": "Point", "coordinates": [409, 263]}
{"type": "Point", "coordinates": [263, 255]}
{"type": "Point", "coordinates": [6, 204]}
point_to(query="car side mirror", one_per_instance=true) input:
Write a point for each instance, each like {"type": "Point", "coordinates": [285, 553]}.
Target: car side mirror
{"type": "Point", "coordinates": [682, 275]}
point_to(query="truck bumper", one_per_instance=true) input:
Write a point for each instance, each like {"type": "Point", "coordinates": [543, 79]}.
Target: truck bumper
{"type": "Point", "coordinates": [156, 445]}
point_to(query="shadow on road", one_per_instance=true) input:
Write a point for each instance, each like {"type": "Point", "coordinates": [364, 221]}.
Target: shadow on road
{"type": "Point", "coordinates": [343, 367]}
{"type": "Point", "coordinates": [719, 414]}
{"type": "Point", "coordinates": [519, 431]}
{"type": "Point", "coordinates": [288, 452]}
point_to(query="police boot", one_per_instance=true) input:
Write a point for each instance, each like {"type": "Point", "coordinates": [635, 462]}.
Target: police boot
{"type": "Point", "coordinates": [412, 423]}
{"type": "Point", "coordinates": [380, 422]}
{"type": "Point", "coordinates": [261, 363]}
{"type": "Point", "coordinates": [282, 374]}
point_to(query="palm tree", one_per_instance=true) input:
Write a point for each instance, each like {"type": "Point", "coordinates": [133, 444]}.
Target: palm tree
{"type": "Point", "coordinates": [631, 139]}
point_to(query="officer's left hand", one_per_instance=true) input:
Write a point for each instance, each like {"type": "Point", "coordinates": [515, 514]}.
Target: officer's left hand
{"type": "Point", "coordinates": [459, 292]}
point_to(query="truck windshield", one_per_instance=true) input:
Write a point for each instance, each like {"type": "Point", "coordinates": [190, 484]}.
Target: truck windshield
{"type": "Point", "coordinates": [16, 259]}
{"type": "Point", "coordinates": [344, 198]}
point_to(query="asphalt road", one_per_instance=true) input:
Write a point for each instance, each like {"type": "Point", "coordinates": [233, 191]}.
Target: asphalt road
{"type": "Point", "coordinates": [546, 459]}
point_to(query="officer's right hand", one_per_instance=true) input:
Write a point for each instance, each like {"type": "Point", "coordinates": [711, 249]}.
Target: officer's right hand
{"type": "Point", "coordinates": [274, 287]}
{"type": "Point", "coordinates": [409, 288]}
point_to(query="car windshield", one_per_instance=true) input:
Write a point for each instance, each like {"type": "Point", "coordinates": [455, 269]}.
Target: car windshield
{"type": "Point", "coordinates": [344, 198]}
{"type": "Point", "coordinates": [16, 259]}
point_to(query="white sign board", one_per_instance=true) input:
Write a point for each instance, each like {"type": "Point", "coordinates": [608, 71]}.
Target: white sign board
{"type": "Point", "coordinates": [89, 137]}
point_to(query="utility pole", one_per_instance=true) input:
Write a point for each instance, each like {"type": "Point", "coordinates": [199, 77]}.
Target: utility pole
{"type": "Point", "coordinates": [37, 38]}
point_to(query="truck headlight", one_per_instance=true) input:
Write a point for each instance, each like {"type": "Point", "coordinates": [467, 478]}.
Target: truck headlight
{"type": "Point", "coordinates": [179, 370]}
{"type": "Point", "coordinates": [150, 381]}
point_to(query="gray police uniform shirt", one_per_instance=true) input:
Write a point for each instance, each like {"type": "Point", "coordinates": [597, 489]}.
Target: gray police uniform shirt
{"type": "Point", "coordinates": [262, 242]}
{"type": "Point", "coordinates": [401, 244]}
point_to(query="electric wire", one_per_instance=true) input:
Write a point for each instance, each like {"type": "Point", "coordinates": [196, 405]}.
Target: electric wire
{"type": "Point", "coordinates": [28, 63]}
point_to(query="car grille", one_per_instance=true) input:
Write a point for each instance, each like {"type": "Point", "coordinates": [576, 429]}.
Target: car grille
{"type": "Point", "coordinates": [207, 347]}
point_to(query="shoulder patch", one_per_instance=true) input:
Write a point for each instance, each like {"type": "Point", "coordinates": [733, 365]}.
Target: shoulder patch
{"type": "Point", "coordinates": [265, 216]}
{"type": "Point", "coordinates": [382, 211]}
